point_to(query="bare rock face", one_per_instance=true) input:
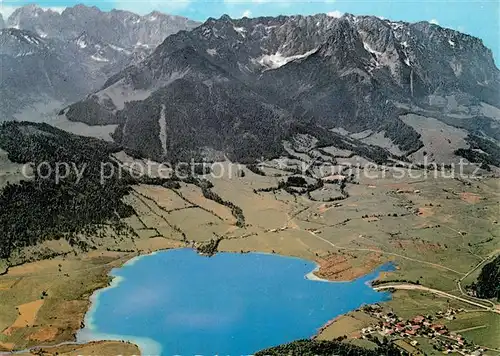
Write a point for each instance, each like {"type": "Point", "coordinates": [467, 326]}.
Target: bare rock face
{"type": "Point", "coordinates": [116, 27]}
{"type": "Point", "coordinates": [50, 59]}
{"type": "Point", "coordinates": [242, 86]}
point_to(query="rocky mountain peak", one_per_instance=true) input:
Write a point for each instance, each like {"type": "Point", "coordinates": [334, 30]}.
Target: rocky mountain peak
{"type": "Point", "coordinates": [23, 17]}
{"type": "Point", "coordinates": [56, 58]}
{"type": "Point", "coordinates": [330, 71]}
{"type": "Point", "coordinates": [225, 18]}
{"type": "Point", "coordinates": [153, 15]}
{"type": "Point", "coordinates": [117, 27]}
{"type": "Point", "coordinates": [81, 9]}
{"type": "Point", "coordinates": [344, 43]}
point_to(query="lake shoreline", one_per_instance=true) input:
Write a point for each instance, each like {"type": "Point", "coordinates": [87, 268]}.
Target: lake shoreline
{"type": "Point", "coordinates": [120, 260]}
{"type": "Point", "coordinates": [150, 346]}
{"type": "Point", "coordinates": [88, 334]}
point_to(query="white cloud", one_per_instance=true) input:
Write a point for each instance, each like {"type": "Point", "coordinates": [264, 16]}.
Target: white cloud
{"type": "Point", "coordinates": [335, 14]}
{"type": "Point", "coordinates": [434, 21]}
{"type": "Point", "coordinates": [247, 13]}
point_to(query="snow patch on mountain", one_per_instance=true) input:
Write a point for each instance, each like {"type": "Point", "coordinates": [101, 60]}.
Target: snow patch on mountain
{"type": "Point", "coordinates": [119, 49]}
{"type": "Point", "coordinates": [212, 51]}
{"type": "Point", "coordinates": [371, 50]}
{"type": "Point", "coordinates": [277, 60]}
{"type": "Point", "coordinates": [396, 25]}
{"type": "Point", "coordinates": [81, 43]}
{"type": "Point", "coordinates": [98, 58]}
{"type": "Point", "coordinates": [24, 54]}
{"type": "Point", "coordinates": [142, 45]}
{"type": "Point", "coordinates": [241, 30]}
{"type": "Point", "coordinates": [31, 39]}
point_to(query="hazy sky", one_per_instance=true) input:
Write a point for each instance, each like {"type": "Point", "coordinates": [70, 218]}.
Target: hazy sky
{"type": "Point", "coordinates": [478, 18]}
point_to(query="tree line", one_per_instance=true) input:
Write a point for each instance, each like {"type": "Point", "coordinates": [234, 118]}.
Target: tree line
{"type": "Point", "coordinates": [44, 207]}
{"type": "Point", "coordinates": [329, 348]}
{"type": "Point", "coordinates": [487, 285]}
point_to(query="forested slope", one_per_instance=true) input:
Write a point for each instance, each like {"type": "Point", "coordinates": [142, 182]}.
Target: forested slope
{"type": "Point", "coordinates": [488, 282]}
{"type": "Point", "coordinates": [44, 208]}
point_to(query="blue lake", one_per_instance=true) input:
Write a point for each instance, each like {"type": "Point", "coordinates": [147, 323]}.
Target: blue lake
{"type": "Point", "coordinates": [177, 302]}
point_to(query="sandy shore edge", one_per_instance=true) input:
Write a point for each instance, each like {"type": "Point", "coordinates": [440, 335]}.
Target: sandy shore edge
{"type": "Point", "coordinates": [89, 333]}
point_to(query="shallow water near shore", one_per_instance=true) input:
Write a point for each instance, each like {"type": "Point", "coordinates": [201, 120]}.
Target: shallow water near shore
{"type": "Point", "coordinates": [177, 302]}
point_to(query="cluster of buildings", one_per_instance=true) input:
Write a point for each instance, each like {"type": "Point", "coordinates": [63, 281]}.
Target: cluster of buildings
{"type": "Point", "coordinates": [441, 339]}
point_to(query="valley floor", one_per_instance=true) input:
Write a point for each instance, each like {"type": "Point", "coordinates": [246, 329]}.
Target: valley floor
{"type": "Point", "coordinates": [438, 232]}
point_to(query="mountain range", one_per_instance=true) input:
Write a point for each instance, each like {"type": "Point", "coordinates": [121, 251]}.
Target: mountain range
{"type": "Point", "coordinates": [51, 59]}
{"type": "Point", "coordinates": [240, 87]}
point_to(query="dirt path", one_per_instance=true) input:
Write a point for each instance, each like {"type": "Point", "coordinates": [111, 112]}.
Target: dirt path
{"type": "Point", "coordinates": [435, 291]}
{"type": "Point", "coordinates": [470, 329]}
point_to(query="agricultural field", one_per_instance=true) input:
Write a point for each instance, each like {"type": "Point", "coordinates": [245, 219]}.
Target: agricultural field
{"type": "Point", "coordinates": [434, 231]}
{"type": "Point", "coordinates": [482, 327]}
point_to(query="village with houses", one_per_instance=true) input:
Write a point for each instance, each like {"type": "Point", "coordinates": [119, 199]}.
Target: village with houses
{"type": "Point", "coordinates": [405, 333]}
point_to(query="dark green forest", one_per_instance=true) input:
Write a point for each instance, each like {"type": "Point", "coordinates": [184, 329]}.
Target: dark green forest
{"type": "Point", "coordinates": [44, 208]}
{"type": "Point", "coordinates": [488, 282]}
{"type": "Point", "coordinates": [481, 151]}
{"type": "Point", "coordinates": [328, 348]}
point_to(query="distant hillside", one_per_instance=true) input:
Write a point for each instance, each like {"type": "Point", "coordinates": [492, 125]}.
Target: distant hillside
{"type": "Point", "coordinates": [42, 208]}
{"type": "Point", "coordinates": [49, 59]}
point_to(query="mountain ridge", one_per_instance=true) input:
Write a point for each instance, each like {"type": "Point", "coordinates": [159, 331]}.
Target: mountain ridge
{"type": "Point", "coordinates": [355, 72]}
{"type": "Point", "coordinates": [120, 27]}
{"type": "Point", "coordinates": [81, 44]}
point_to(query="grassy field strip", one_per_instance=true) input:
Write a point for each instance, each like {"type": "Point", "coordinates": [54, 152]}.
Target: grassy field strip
{"type": "Point", "coordinates": [435, 291]}
{"type": "Point", "coordinates": [483, 347]}
{"type": "Point", "coordinates": [143, 199]}
{"type": "Point", "coordinates": [120, 260]}
{"type": "Point", "coordinates": [482, 259]}
{"type": "Point", "coordinates": [180, 195]}
{"type": "Point", "coordinates": [471, 328]}
{"type": "Point", "coordinates": [384, 253]}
